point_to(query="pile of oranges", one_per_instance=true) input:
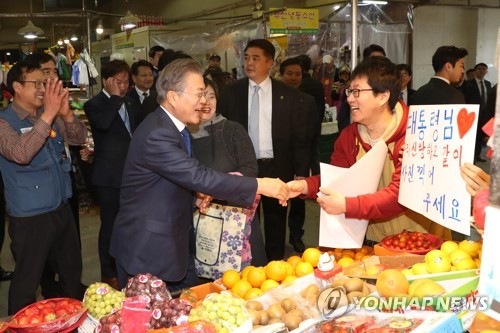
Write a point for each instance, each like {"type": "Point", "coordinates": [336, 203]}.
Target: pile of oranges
{"type": "Point", "coordinates": [253, 281]}
{"type": "Point", "coordinates": [348, 257]}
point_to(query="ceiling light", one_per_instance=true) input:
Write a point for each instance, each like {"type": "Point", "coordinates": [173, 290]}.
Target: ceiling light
{"type": "Point", "coordinates": [374, 2]}
{"type": "Point", "coordinates": [74, 38]}
{"type": "Point", "coordinates": [336, 7]}
{"type": "Point", "coordinates": [60, 41]}
{"type": "Point", "coordinates": [66, 40]}
{"type": "Point", "coordinates": [30, 31]}
{"type": "Point", "coordinates": [99, 29]}
{"type": "Point", "coordinates": [129, 21]}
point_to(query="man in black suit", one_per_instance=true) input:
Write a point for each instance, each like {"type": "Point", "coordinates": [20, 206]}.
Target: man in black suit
{"type": "Point", "coordinates": [154, 54]}
{"type": "Point", "coordinates": [476, 92]}
{"type": "Point", "coordinates": [291, 74]}
{"type": "Point", "coordinates": [448, 64]}
{"type": "Point", "coordinates": [112, 117]}
{"type": "Point", "coordinates": [143, 91]}
{"type": "Point", "coordinates": [270, 111]}
{"type": "Point", "coordinates": [314, 88]}
{"type": "Point", "coordinates": [155, 224]}
{"type": "Point", "coordinates": [406, 92]}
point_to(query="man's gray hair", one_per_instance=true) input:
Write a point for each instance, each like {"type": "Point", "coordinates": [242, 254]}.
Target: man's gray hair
{"type": "Point", "coordinates": [171, 78]}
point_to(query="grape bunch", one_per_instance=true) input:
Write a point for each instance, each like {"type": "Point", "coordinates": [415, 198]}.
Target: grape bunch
{"type": "Point", "coordinates": [169, 313]}
{"type": "Point", "coordinates": [224, 310]}
{"type": "Point", "coordinates": [110, 323]}
{"type": "Point", "coordinates": [101, 299]}
{"type": "Point", "coordinates": [149, 285]}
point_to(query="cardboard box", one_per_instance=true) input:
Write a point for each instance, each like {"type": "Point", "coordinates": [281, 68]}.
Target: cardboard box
{"type": "Point", "coordinates": [379, 250]}
{"type": "Point", "coordinates": [207, 288]}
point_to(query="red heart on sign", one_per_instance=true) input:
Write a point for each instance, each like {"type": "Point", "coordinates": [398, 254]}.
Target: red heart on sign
{"type": "Point", "coordinates": [465, 121]}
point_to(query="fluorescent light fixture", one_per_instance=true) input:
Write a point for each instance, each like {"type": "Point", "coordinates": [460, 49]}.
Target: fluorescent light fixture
{"type": "Point", "coordinates": [30, 31]}
{"type": "Point", "coordinates": [99, 29]}
{"type": "Point", "coordinates": [74, 38]}
{"type": "Point", "coordinates": [374, 2]}
{"type": "Point", "coordinates": [129, 21]}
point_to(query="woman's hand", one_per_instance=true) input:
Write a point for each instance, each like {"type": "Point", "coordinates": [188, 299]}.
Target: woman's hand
{"type": "Point", "coordinates": [274, 188]}
{"type": "Point", "coordinates": [475, 178]}
{"type": "Point", "coordinates": [297, 187]}
{"type": "Point", "coordinates": [333, 203]}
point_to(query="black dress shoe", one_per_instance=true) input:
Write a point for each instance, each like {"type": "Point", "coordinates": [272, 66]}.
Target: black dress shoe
{"type": "Point", "coordinates": [5, 275]}
{"type": "Point", "coordinates": [298, 244]}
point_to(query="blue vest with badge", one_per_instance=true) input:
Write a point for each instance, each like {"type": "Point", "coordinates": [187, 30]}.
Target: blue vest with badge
{"type": "Point", "coordinates": [42, 185]}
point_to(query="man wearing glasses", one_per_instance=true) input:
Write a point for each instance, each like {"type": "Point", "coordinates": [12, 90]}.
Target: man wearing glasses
{"type": "Point", "coordinates": [376, 115]}
{"type": "Point", "coordinates": [35, 171]}
{"type": "Point", "coordinates": [113, 117]}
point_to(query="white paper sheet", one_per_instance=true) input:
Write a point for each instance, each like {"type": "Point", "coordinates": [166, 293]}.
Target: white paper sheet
{"type": "Point", "coordinates": [361, 178]}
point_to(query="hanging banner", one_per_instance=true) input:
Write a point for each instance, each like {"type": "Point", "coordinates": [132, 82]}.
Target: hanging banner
{"type": "Point", "coordinates": [294, 21]}
{"type": "Point", "coordinates": [440, 139]}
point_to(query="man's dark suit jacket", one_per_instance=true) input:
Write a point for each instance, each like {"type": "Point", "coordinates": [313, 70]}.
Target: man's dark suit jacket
{"type": "Point", "coordinates": [149, 104]}
{"type": "Point", "coordinates": [151, 232]}
{"type": "Point", "coordinates": [289, 124]}
{"type": "Point", "coordinates": [314, 88]}
{"type": "Point", "coordinates": [473, 96]}
{"type": "Point", "coordinates": [437, 91]}
{"type": "Point", "coordinates": [411, 92]}
{"type": "Point", "coordinates": [110, 135]}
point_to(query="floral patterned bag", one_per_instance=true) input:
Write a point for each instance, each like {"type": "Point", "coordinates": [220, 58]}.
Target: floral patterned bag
{"type": "Point", "coordinates": [222, 236]}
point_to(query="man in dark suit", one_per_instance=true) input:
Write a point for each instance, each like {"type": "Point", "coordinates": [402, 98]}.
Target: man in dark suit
{"type": "Point", "coordinates": [112, 117]}
{"type": "Point", "coordinates": [143, 91]}
{"type": "Point", "coordinates": [291, 74]}
{"type": "Point", "coordinates": [154, 226]}
{"type": "Point", "coordinates": [448, 64]}
{"type": "Point", "coordinates": [406, 92]}
{"type": "Point", "coordinates": [270, 111]}
{"type": "Point", "coordinates": [476, 92]}
{"type": "Point", "coordinates": [314, 88]}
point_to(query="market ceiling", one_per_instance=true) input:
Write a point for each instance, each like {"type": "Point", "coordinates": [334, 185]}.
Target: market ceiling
{"type": "Point", "coordinates": [67, 18]}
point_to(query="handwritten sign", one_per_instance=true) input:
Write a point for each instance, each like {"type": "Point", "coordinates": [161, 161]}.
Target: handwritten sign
{"type": "Point", "coordinates": [295, 21]}
{"type": "Point", "coordinates": [440, 139]}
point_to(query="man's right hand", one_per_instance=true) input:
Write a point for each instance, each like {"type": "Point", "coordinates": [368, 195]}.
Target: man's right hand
{"type": "Point", "coordinates": [274, 188]}
{"type": "Point", "coordinates": [54, 96]}
{"type": "Point", "coordinates": [111, 86]}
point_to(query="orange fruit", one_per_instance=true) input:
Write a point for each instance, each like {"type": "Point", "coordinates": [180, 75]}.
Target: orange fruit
{"type": "Point", "coordinates": [256, 276]}
{"type": "Point", "coordinates": [392, 282]}
{"type": "Point", "coordinates": [252, 293]}
{"type": "Point", "coordinates": [290, 270]}
{"type": "Point", "coordinates": [311, 255]}
{"type": "Point", "coordinates": [289, 278]}
{"type": "Point", "coordinates": [303, 268]}
{"type": "Point", "coordinates": [241, 287]}
{"type": "Point", "coordinates": [346, 261]}
{"type": "Point", "coordinates": [365, 250]}
{"type": "Point", "coordinates": [276, 270]}
{"type": "Point", "coordinates": [294, 260]}
{"type": "Point", "coordinates": [268, 284]}
{"type": "Point", "coordinates": [245, 271]}
{"type": "Point", "coordinates": [230, 277]}
{"type": "Point", "coordinates": [359, 256]}
{"type": "Point", "coordinates": [348, 253]}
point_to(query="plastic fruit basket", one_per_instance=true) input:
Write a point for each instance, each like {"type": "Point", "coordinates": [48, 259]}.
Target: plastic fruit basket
{"type": "Point", "coordinates": [62, 324]}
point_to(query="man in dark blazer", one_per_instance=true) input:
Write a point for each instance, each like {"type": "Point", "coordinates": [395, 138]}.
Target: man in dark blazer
{"type": "Point", "coordinates": [154, 226]}
{"type": "Point", "coordinates": [448, 64]}
{"type": "Point", "coordinates": [143, 92]}
{"type": "Point", "coordinates": [406, 92]}
{"type": "Point", "coordinates": [112, 117]}
{"type": "Point", "coordinates": [277, 127]}
{"type": "Point", "coordinates": [473, 92]}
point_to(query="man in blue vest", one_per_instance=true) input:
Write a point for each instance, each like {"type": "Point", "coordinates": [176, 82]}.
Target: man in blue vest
{"type": "Point", "coordinates": [35, 171]}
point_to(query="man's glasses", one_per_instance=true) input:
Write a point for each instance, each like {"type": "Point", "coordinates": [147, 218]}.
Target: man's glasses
{"type": "Point", "coordinates": [355, 92]}
{"type": "Point", "coordinates": [38, 84]}
{"type": "Point", "coordinates": [199, 95]}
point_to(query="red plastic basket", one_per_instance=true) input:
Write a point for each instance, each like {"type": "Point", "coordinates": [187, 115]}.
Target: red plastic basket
{"type": "Point", "coordinates": [435, 243]}
{"type": "Point", "coordinates": [63, 324]}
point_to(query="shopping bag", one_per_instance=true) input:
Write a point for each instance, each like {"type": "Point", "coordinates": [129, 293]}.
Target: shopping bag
{"type": "Point", "coordinates": [222, 237]}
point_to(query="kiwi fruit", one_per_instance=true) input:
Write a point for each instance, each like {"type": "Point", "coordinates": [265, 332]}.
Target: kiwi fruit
{"type": "Point", "coordinates": [275, 311]}
{"type": "Point", "coordinates": [288, 304]}
{"type": "Point", "coordinates": [291, 321]}
{"type": "Point", "coordinates": [353, 284]}
{"type": "Point", "coordinates": [254, 305]}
